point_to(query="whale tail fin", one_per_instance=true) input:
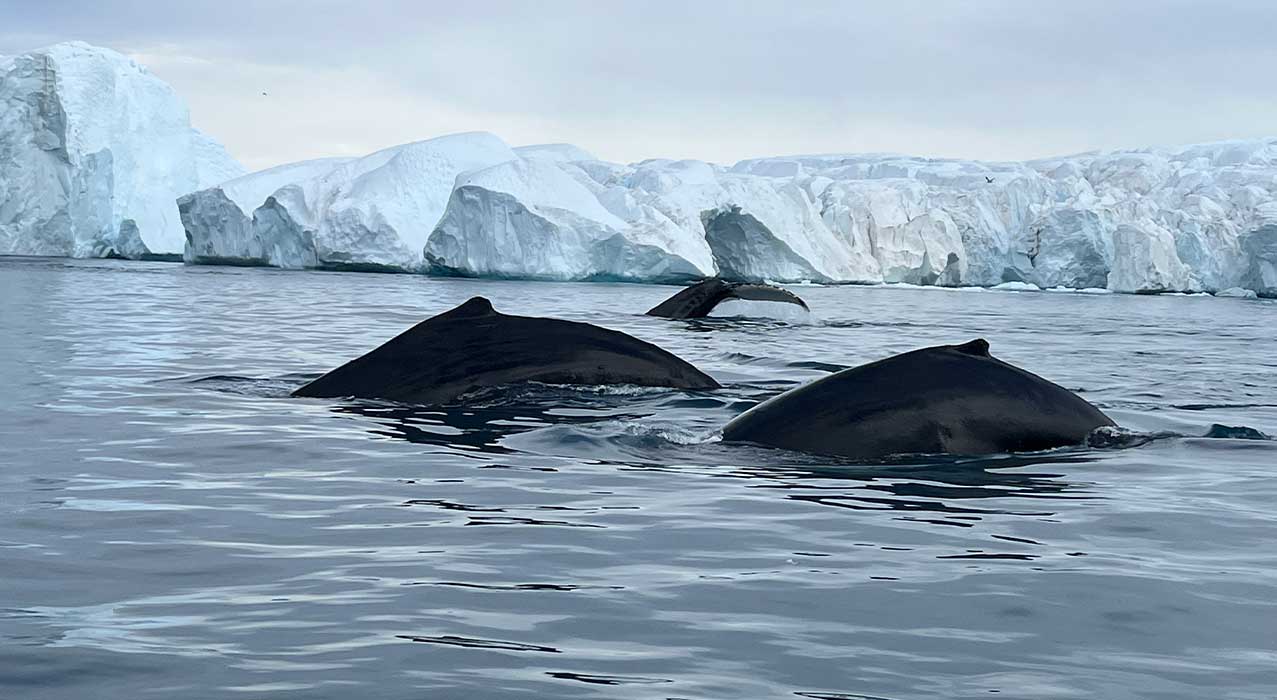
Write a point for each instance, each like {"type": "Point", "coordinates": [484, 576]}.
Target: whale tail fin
{"type": "Point", "coordinates": [766, 292]}
{"type": "Point", "coordinates": [698, 300]}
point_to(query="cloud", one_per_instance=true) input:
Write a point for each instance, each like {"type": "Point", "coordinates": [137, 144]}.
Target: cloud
{"type": "Point", "coordinates": [715, 80]}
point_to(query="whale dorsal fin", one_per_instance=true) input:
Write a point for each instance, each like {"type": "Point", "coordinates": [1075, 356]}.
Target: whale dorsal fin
{"type": "Point", "coordinates": [976, 348]}
{"type": "Point", "coordinates": [476, 307]}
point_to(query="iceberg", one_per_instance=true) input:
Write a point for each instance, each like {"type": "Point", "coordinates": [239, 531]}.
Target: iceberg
{"type": "Point", "coordinates": [1145, 261]}
{"type": "Point", "coordinates": [98, 158]}
{"type": "Point", "coordinates": [369, 213]}
{"type": "Point", "coordinates": [560, 152]}
{"type": "Point", "coordinates": [1237, 292]}
{"type": "Point", "coordinates": [536, 218]}
{"type": "Point", "coordinates": [1190, 219]}
{"type": "Point", "coordinates": [94, 151]}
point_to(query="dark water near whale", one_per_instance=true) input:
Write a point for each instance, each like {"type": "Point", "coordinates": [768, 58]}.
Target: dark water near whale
{"type": "Point", "coordinates": [171, 526]}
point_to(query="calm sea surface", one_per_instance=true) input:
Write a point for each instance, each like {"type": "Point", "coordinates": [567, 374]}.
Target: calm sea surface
{"type": "Point", "coordinates": [172, 525]}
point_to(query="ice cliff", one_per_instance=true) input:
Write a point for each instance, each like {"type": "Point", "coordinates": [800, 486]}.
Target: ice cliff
{"type": "Point", "coordinates": [93, 152]}
{"type": "Point", "coordinates": [97, 157]}
{"type": "Point", "coordinates": [1197, 218]}
{"type": "Point", "coordinates": [374, 212]}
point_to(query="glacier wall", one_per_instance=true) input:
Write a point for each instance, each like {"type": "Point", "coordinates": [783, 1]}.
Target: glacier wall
{"type": "Point", "coordinates": [1195, 218]}
{"type": "Point", "coordinates": [93, 152]}
{"type": "Point", "coordinates": [370, 213]}
{"type": "Point", "coordinates": [98, 158]}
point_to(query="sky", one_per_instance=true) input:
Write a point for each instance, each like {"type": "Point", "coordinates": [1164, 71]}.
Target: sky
{"type": "Point", "coordinates": [718, 80]}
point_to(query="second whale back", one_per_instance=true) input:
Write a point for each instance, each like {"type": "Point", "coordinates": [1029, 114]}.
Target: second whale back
{"type": "Point", "coordinates": [474, 346]}
{"type": "Point", "coordinates": [950, 399]}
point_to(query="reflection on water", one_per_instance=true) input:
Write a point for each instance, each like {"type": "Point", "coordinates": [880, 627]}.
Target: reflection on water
{"type": "Point", "coordinates": [174, 524]}
{"type": "Point", "coordinates": [488, 417]}
{"type": "Point", "coordinates": [593, 425]}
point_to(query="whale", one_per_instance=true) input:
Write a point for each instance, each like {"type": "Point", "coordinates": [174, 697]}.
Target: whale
{"type": "Point", "coordinates": [698, 300]}
{"type": "Point", "coordinates": [948, 399]}
{"type": "Point", "coordinates": [474, 346]}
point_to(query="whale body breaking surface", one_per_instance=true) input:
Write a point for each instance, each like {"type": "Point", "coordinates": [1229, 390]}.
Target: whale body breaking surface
{"type": "Point", "coordinates": [952, 399]}
{"type": "Point", "coordinates": [949, 399]}
{"type": "Point", "coordinates": [474, 346]}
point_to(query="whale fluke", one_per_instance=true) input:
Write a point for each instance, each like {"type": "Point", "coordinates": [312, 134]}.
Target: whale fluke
{"type": "Point", "coordinates": [949, 399]}
{"type": "Point", "coordinates": [475, 346]}
{"type": "Point", "coordinates": [698, 300]}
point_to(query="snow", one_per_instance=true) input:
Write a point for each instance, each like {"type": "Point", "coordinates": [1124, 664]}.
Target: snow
{"type": "Point", "coordinates": [560, 152]}
{"type": "Point", "coordinates": [1236, 292]}
{"type": "Point", "coordinates": [1199, 218]}
{"type": "Point", "coordinates": [1017, 287]}
{"type": "Point", "coordinates": [376, 211]}
{"type": "Point", "coordinates": [97, 157]}
{"type": "Point", "coordinates": [531, 218]}
{"type": "Point", "coordinates": [94, 151]}
{"type": "Point", "coordinates": [546, 219]}
{"type": "Point", "coordinates": [250, 191]}
{"type": "Point", "coordinates": [1144, 260]}
{"type": "Point", "coordinates": [1260, 246]}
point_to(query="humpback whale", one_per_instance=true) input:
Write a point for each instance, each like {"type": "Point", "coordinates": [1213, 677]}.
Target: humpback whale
{"type": "Point", "coordinates": [474, 346]}
{"type": "Point", "coordinates": [949, 399]}
{"type": "Point", "coordinates": [698, 300]}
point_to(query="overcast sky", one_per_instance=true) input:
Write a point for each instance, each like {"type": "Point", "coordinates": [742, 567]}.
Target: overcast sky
{"type": "Point", "coordinates": [717, 80]}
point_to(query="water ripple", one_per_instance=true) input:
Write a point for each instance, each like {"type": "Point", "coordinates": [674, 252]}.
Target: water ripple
{"type": "Point", "coordinates": [175, 525]}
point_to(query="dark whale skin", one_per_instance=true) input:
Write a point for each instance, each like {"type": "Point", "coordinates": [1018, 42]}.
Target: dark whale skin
{"type": "Point", "coordinates": [698, 300]}
{"type": "Point", "coordinates": [474, 346]}
{"type": "Point", "coordinates": [949, 399]}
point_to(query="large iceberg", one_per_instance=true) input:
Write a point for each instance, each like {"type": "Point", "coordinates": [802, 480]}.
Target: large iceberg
{"type": "Point", "coordinates": [542, 218]}
{"type": "Point", "coordinates": [1196, 218]}
{"type": "Point", "coordinates": [93, 152]}
{"type": "Point", "coordinates": [98, 158]}
{"type": "Point", "coordinates": [374, 212]}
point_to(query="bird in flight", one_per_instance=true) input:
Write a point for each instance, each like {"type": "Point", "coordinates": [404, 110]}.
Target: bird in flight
{"type": "Point", "coordinates": [986, 177]}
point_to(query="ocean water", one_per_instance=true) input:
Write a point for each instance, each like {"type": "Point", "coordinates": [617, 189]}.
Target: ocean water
{"type": "Point", "coordinates": [172, 525]}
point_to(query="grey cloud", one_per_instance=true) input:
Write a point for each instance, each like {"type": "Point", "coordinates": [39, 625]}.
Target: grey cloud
{"type": "Point", "coordinates": [716, 80]}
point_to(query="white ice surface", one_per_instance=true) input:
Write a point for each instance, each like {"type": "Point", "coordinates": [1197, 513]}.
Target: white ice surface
{"type": "Point", "coordinates": [1189, 219]}
{"type": "Point", "coordinates": [94, 152]}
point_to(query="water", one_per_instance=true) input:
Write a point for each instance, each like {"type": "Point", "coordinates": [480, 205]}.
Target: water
{"type": "Point", "coordinates": [172, 525]}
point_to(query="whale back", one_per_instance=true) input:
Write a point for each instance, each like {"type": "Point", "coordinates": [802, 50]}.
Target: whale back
{"type": "Point", "coordinates": [950, 399]}
{"type": "Point", "coordinates": [474, 346]}
{"type": "Point", "coordinates": [698, 300]}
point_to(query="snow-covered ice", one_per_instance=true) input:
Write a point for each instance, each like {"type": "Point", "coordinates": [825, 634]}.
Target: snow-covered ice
{"type": "Point", "coordinates": [1237, 292]}
{"type": "Point", "coordinates": [371, 212]}
{"type": "Point", "coordinates": [1190, 219]}
{"type": "Point", "coordinates": [94, 151]}
{"type": "Point", "coordinates": [97, 157]}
